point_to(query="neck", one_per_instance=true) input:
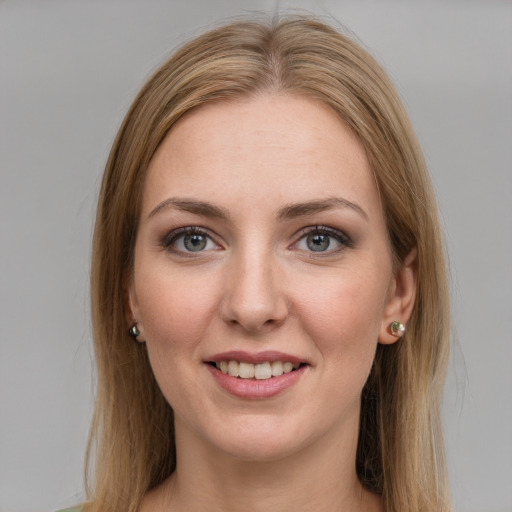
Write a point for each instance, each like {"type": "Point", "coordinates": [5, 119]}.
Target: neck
{"type": "Point", "coordinates": [319, 478]}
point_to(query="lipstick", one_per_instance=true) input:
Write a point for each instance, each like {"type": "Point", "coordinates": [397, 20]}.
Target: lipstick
{"type": "Point", "coordinates": [286, 371]}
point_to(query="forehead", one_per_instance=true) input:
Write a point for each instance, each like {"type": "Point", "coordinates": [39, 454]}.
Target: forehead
{"type": "Point", "coordinates": [279, 146]}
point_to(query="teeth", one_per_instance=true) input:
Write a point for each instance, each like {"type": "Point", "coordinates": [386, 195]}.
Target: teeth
{"type": "Point", "coordinates": [233, 368]}
{"type": "Point", "coordinates": [246, 370]}
{"type": "Point", "coordinates": [277, 368]}
{"type": "Point", "coordinates": [260, 371]}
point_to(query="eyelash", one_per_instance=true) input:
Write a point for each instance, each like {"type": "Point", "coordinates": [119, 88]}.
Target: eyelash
{"type": "Point", "coordinates": [341, 238]}
{"type": "Point", "coordinates": [171, 238]}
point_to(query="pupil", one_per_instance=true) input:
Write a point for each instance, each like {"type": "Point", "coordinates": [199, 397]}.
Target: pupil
{"type": "Point", "coordinates": [317, 242]}
{"type": "Point", "coordinates": [195, 242]}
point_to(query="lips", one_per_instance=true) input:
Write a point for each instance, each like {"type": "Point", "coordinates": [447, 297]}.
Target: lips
{"type": "Point", "coordinates": [260, 371]}
{"type": "Point", "coordinates": [260, 375]}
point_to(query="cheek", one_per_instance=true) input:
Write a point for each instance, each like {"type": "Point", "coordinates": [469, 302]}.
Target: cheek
{"type": "Point", "coordinates": [174, 309]}
{"type": "Point", "coordinates": [343, 315]}
{"type": "Point", "coordinates": [175, 312]}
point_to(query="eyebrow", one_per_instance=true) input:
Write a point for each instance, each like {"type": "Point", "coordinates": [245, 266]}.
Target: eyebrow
{"type": "Point", "coordinates": [290, 211]}
{"type": "Point", "coordinates": [193, 206]}
{"type": "Point", "coordinates": [295, 210]}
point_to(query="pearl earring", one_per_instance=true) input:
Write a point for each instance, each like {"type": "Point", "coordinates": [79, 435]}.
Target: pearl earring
{"type": "Point", "coordinates": [134, 332]}
{"type": "Point", "coordinates": [397, 329]}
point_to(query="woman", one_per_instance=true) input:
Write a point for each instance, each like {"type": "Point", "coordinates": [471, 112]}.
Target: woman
{"type": "Point", "coordinates": [267, 236]}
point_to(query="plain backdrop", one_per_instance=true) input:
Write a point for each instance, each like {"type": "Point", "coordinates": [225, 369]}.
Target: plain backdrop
{"type": "Point", "coordinates": [68, 72]}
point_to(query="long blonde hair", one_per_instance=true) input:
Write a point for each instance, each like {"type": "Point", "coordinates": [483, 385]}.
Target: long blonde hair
{"type": "Point", "coordinates": [400, 451]}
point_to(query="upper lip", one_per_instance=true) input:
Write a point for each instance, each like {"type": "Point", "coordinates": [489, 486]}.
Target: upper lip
{"type": "Point", "coordinates": [254, 358]}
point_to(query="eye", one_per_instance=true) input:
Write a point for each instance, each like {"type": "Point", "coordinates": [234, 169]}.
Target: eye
{"type": "Point", "coordinates": [318, 242]}
{"type": "Point", "coordinates": [321, 239]}
{"type": "Point", "coordinates": [189, 240]}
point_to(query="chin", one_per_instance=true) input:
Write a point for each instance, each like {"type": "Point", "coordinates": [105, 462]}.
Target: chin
{"type": "Point", "coordinates": [261, 449]}
{"type": "Point", "coordinates": [263, 440]}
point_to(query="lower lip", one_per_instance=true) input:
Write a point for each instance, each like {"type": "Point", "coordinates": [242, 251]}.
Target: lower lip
{"type": "Point", "coordinates": [254, 388]}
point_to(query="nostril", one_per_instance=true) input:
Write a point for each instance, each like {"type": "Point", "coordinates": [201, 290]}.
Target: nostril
{"type": "Point", "coordinates": [253, 306]}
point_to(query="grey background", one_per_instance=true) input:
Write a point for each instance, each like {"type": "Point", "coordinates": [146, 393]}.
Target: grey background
{"type": "Point", "coordinates": [68, 71]}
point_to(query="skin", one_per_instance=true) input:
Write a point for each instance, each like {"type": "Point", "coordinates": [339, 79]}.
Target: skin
{"type": "Point", "coordinates": [257, 286]}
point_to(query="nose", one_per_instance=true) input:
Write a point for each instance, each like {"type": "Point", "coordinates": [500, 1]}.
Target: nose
{"type": "Point", "coordinates": [254, 298]}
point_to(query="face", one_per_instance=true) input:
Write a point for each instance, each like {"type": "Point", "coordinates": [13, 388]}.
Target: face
{"type": "Point", "coordinates": [263, 279]}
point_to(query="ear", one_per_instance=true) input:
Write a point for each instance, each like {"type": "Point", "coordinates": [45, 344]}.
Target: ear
{"type": "Point", "coordinates": [401, 297]}
{"type": "Point", "coordinates": [133, 311]}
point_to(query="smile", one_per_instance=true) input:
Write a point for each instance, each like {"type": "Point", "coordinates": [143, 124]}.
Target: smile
{"type": "Point", "coordinates": [256, 375]}
{"type": "Point", "coordinates": [260, 371]}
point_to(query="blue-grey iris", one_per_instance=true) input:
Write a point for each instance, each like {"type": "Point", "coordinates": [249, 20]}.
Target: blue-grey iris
{"type": "Point", "coordinates": [194, 243]}
{"type": "Point", "coordinates": [318, 242]}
